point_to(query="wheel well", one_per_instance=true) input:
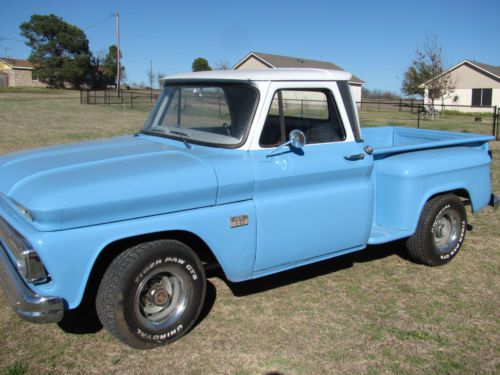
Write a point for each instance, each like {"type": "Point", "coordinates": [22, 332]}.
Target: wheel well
{"type": "Point", "coordinates": [461, 193]}
{"type": "Point", "coordinates": [112, 250]}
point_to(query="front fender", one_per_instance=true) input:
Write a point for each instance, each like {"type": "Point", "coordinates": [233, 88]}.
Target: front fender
{"type": "Point", "coordinates": [69, 255]}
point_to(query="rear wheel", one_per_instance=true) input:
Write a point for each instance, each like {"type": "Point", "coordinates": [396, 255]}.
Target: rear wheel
{"type": "Point", "coordinates": [440, 232]}
{"type": "Point", "coordinates": [152, 293]}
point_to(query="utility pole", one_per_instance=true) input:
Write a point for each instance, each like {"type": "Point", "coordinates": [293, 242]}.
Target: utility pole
{"type": "Point", "coordinates": [151, 78]}
{"type": "Point", "coordinates": [118, 78]}
{"type": "Point", "coordinates": [5, 49]}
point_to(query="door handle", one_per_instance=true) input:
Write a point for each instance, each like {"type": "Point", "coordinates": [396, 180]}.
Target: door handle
{"type": "Point", "coordinates": [360, 156]}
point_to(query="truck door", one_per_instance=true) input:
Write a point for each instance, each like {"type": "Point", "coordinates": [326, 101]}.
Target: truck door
{"type": "Point", "coordinates": [315, 201]}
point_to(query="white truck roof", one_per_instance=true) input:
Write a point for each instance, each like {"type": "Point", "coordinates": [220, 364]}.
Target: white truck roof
{"type": "Point", "coordinates": [275, 74]}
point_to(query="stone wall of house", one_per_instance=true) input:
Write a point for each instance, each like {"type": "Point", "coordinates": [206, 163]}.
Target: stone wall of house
{"type": "Point", "coordinates": [22, 78]}
{"type": "Point", "coordinates": [19, 78]}
{"type": "Point", "coordinates": [37, 83]}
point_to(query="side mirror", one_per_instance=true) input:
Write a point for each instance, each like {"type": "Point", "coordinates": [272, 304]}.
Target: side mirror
{"type": "Point", "coordinates": [296, 139]}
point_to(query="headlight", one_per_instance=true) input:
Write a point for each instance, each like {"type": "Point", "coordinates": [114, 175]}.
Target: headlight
{"type": "Point", "coordinates": [28, 262]}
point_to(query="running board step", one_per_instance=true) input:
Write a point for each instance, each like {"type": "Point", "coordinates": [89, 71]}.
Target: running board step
{"type": "Point", "coordinates": [380, 234]}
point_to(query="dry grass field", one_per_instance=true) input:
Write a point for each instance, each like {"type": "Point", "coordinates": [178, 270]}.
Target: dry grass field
{"type": "Point", "coordinates": [371, 312]}
{"type": "Point", "coordinates": [450, 121]}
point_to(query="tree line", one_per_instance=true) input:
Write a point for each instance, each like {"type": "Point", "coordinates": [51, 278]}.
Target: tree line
{"type": "Point", "coordinates": [61, 55]}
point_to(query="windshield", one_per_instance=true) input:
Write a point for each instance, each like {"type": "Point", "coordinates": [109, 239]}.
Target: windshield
{"type": "Point", "coordinates": [213, 114]}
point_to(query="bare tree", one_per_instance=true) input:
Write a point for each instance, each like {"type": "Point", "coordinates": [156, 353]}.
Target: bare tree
{"type": "Point", "coordinates": [428, 68]}
{"type": "Point", "coordinates": [159, 77]}
{"type": "Point", "coordinates": [223, 65]}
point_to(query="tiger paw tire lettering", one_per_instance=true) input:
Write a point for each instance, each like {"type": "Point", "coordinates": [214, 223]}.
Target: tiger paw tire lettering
{"type": "Point", "coordinates": [152, 293]}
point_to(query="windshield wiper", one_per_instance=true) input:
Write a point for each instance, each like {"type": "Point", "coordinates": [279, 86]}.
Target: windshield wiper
{"type": "Point", "coordinates": [182, 136]}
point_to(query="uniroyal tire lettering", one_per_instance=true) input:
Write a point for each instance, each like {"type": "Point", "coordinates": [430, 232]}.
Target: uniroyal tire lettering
{"type": "Point", "coordinates": [159, 337]}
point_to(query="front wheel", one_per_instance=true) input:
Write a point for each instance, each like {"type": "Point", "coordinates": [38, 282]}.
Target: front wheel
{"type": "Point", "coordinates": [440, 232]}
{"type": "Point", "coordinates": [152, 293]}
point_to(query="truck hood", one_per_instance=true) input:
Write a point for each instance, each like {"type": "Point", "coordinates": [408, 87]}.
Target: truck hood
{"type": "Point", "coordinates": [99, 182]}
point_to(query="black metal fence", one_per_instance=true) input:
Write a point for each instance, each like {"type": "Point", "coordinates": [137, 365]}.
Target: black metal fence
{"type": "Point", "coordinates": [401, 105]}
{"type": "Point", "coordinates": [110, 97]}
{"type": "Point", "coordinates": [399, 112]}
{"type": "Point", "coordinates": [452, 117]}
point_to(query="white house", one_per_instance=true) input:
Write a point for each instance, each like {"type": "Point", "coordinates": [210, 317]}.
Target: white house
{"type": "Point", "coordinates": [258, 60]}
{"type": "Point", "coordinates": [475, 85]}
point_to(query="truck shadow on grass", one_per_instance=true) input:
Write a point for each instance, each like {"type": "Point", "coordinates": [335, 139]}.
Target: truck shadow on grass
{"type": "Point", "coordinates": [311, 271]}
{"type": "Point", "coordinates": [84, 319]}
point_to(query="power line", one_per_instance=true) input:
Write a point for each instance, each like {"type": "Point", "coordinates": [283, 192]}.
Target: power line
{"type": "Point", "coordinates": [86, 28]}
{"type": "Point", "coordinates": [10, 39]}
{"type": "Point", "coordinates": [100, 22]}
{"type": "Point", "coordinates": [5, 49]}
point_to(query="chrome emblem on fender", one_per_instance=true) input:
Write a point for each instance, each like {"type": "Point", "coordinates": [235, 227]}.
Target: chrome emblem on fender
{"type": "Point", "coordinates": [238, 221]}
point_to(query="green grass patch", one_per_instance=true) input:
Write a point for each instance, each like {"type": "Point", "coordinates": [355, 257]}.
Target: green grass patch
{"type": "Point", "coordinates": [19, 367]}
{"type": "Point", "coordinates": [448, 112]}
{"type": "Point", "coordinates": [31, 90]}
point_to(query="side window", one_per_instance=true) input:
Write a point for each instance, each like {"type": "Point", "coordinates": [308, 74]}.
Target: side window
{"type": "Point", "coordinates": [312, 111]}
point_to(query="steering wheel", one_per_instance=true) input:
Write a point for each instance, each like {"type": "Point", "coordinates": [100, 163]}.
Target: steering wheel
{"type": "Point", "coordinates": [226, 127]}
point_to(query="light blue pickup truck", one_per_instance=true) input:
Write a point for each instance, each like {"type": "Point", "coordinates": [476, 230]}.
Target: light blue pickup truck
{"type": "Point", "coordinates": [255, 172]}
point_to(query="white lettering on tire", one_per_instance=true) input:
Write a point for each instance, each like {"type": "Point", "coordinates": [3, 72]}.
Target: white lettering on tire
{"type": "Point", "coordinates": [160, 261]}
{"type": "Point", "coordinates": [460, 239]}
{"type": "Point", "coordinates": [159, 337]}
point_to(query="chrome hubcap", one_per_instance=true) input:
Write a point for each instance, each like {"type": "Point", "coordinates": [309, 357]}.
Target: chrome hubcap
{"type": "Point", "coordinates": [445, 230]}
{"type": "Point", "coordinates": [161, 298]}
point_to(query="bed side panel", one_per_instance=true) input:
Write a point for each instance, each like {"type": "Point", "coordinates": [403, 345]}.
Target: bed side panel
{"type": "Point", "coordinates": [405, 182]}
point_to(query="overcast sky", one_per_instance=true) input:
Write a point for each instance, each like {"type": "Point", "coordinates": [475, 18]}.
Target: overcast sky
{"type": "Point", "coordinates": [375, 40]}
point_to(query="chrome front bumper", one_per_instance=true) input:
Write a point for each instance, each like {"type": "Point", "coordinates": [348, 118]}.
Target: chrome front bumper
{"type": "Point", "coordinates": [494, 201]}
{"type": "Point", "coordinates": [26, 303]}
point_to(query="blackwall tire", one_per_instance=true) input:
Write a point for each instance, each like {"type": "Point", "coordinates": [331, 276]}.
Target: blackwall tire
{"type": "Point", "coordinates": [440, 232]}
{"type": "Point", "coordinates": [152, 294]}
